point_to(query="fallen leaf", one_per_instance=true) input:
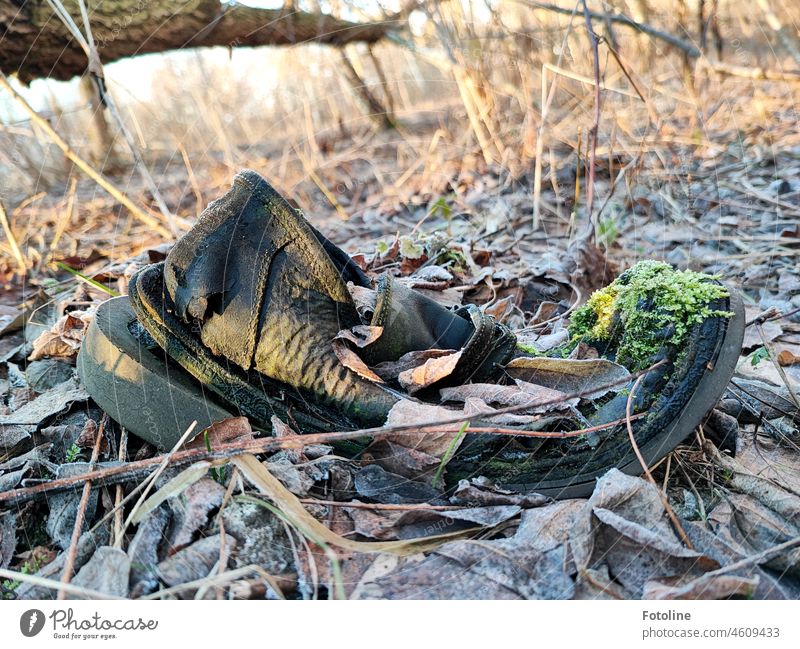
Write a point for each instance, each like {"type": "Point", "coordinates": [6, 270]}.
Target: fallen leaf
{"type": "Point", "coordinates": [623, 527]}
{"type": "Point", "coordinates": [108, 572]}
{"type": "Point", "coordinates": [8, 537]}
{"type": "Point", "coordinates": [381, 486]}
{"type": "Point", "coordinates": [524, 395]}
{"type": "Point", "coordinates": [172, 488]}
{"type": "Point", "coordinates": [390, 370]}
{"type": "Point", "coordinates": [482, 491]}
{"type": "Point", "coordinates": [706, 586]}
{"type": "Point", "coordinates": [224, 431]}
{"type": "Point", "coordinates": [542, 342]}
{"type": "Point", "coordinates": [353, 362]}
{"type": "Point", "coordinates": [191, 508]}
{"type": "Point", "coordinates": [258, 475]}
{"type": "Point", "coordinates": [47, 404]}
{"type": "Point", "coordinates": [195, 561]}
{"type": "Point", "coordinates": [64, 338]}
{"type": "Point", "coordinates": [592, 377]}
{"type": "Point", "coordinates": [431, 371]}
{"type": "Point", "coordinates": [788, 357]}
{"type": "Point", "coordinates": [407, 412]}
{"type": "Point", "coordinates": [261, 537]}
{"type": "Point", "coordinates": [408, 462]}
{"type": "Point", "coordinates": [360, 335]}
{"type": "Point", "coordinates": [143, 551]}
{"type": "Point", "coordinates": [64, 505]}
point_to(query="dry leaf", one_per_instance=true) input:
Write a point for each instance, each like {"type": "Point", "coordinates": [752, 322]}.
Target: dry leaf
{"type": "Point", "coordinates": [523, 394]}
{"type": "Point", "coordinates": [360, 335]}
{"type": "Point", "coordinates": [353, 362]}
{"type": "Point", "coordinates": [431, 371]}
{"type": "Point", "coordinates": [258, 475]}
{"type": "Point", "coordinates": [390, 370]}
{"type": "Point", "coordinates": [224, 431]}
{"type": "Point", "coordinates": [406, 412]}
{"type": "Point", "coordinates": [592, 377]}
{"type": "Point", "coordinates": [64, 338]}
{"type": "Point", "coordinates": [788, 357]}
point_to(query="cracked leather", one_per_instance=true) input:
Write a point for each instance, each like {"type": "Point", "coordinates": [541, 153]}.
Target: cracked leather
{"type": "Point", "coordinates": [263, 289]}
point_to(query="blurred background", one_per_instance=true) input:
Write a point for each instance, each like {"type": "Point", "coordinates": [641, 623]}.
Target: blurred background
{"type": "Point", "coordinates": [663, 128]}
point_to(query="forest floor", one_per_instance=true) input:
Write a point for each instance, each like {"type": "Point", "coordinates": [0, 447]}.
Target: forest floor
{"type": "Point", "coordinates": [395, 201]}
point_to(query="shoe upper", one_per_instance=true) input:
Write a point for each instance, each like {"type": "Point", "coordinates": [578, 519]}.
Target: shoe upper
{"type": "Point", "coordinates": [266, 291]}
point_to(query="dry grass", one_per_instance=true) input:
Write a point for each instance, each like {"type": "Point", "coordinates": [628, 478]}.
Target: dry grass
{"type": "Point", "coordinates": [470, 95]}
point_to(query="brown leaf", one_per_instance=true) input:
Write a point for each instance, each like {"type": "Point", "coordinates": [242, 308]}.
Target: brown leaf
{"type": "Point", "coordinates": [706, 586]}
{"type": "Point", "coordinates": [408, 462]}
{"type": "Point", "coordinates": [406, 412]}
{"type": "Point", "coordinates": [592, 376]}
{"type": "Point", "coordinates": [353, 362]}
{"type": "Point", "coordinates": [390, 370]}
{"type": "Point", "coordinates": [224, 431]}
{"type": "Point", "coordinates": [524, 394]}
{"type": "Point", "coordinates": [501, 309]}
{"type": "Point", "coordinates": [430, 372]}
{"type": "Point", "coordinates": [64, 338]}
{"type": "Point", "coordinates": [360, 335]}
{"type": "Point", "coordinates": [787, 356]}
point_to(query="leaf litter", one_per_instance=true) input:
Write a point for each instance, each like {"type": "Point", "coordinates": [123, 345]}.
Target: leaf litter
{"type": "Point", "coordinates": [317, 524]}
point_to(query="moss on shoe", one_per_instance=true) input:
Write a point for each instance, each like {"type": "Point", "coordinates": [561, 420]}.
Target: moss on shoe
{"type": "Point", "coordinates": [647, 307]}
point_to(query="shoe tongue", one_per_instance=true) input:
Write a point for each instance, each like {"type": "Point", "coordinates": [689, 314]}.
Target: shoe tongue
{"type": "Point", "coordinates": [218, 275]}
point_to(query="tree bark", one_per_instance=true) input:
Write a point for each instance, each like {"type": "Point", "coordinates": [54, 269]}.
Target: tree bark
{"type": "Point", "coordinates": [34, 42]}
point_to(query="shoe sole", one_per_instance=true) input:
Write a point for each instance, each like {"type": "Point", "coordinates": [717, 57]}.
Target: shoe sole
{"type": "Point", "coordinates": [705, 376]}
{"type": "Point", "coordinates": [139, 387]}
{"type": "Point", "coordinates": [180, 342]}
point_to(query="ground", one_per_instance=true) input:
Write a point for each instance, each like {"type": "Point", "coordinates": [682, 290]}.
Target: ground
{"type": "Point", "coordinates": [703, 175]}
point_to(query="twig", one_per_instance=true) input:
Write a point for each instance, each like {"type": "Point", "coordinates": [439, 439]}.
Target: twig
{"type": "Point", "coordinates": [120, 494]}
{"type": "Point", "coordinates": [52, 584]}
{"type": "Point", "coordinates": [69, 564]}
{"type": "Point", "coordinates": [663, 496]}
{"type": "Point", "coordinates": [622, 19]}
{"type": "Point", "coordinates": [132, 470]}
{"type": "Point", "coordinates": [756, 558]}
{"type": "Point", "coordinates": [152, 479]}
{"type": "Point", "coordinates": [84, 166]}
{"type": "Point", "coordinates": [12, 241]}
{"type": "Point", "coordinates": [546, 103]}
{"type": "Point", "coordinates": [590, 234]}
{"type": "Point", "coordinates": [97, 75]}
{"type": "Point", "coordinates": [382, 506]}
{"type": "Point", "coordinates": [122, 473]}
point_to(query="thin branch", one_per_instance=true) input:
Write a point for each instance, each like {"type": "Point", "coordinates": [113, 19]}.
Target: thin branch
{"type": "Point", "coordinates": [132, 470]}
{"type": "Point", "coordinates": [663, 496]}
{"type": "Point", "coordinates": [69, 564]}
{"type": "Point", "coordinates": [595, 124]}
{"type": "Point", "coordinates": [622, 19]}
{"type": "Point", "coordinates": [82, 164]}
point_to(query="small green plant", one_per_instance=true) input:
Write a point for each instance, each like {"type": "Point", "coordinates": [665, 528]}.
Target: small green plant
{"type": "Point", "coordinates": [761, 354]}
{"type": "Point", "coordinates": [607, 231]}
{"type": "Point", "coordinates": [73, 453]}
{"type": "Point", "coordinates": [440, 207]}
{"type": "Point", "coordinates": [30, 567]}
{"type": "Point", "coordinates": [217, 474]}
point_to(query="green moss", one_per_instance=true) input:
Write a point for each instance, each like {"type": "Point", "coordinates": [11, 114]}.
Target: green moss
{"type": "Point", "coordinates": [647, 307]}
